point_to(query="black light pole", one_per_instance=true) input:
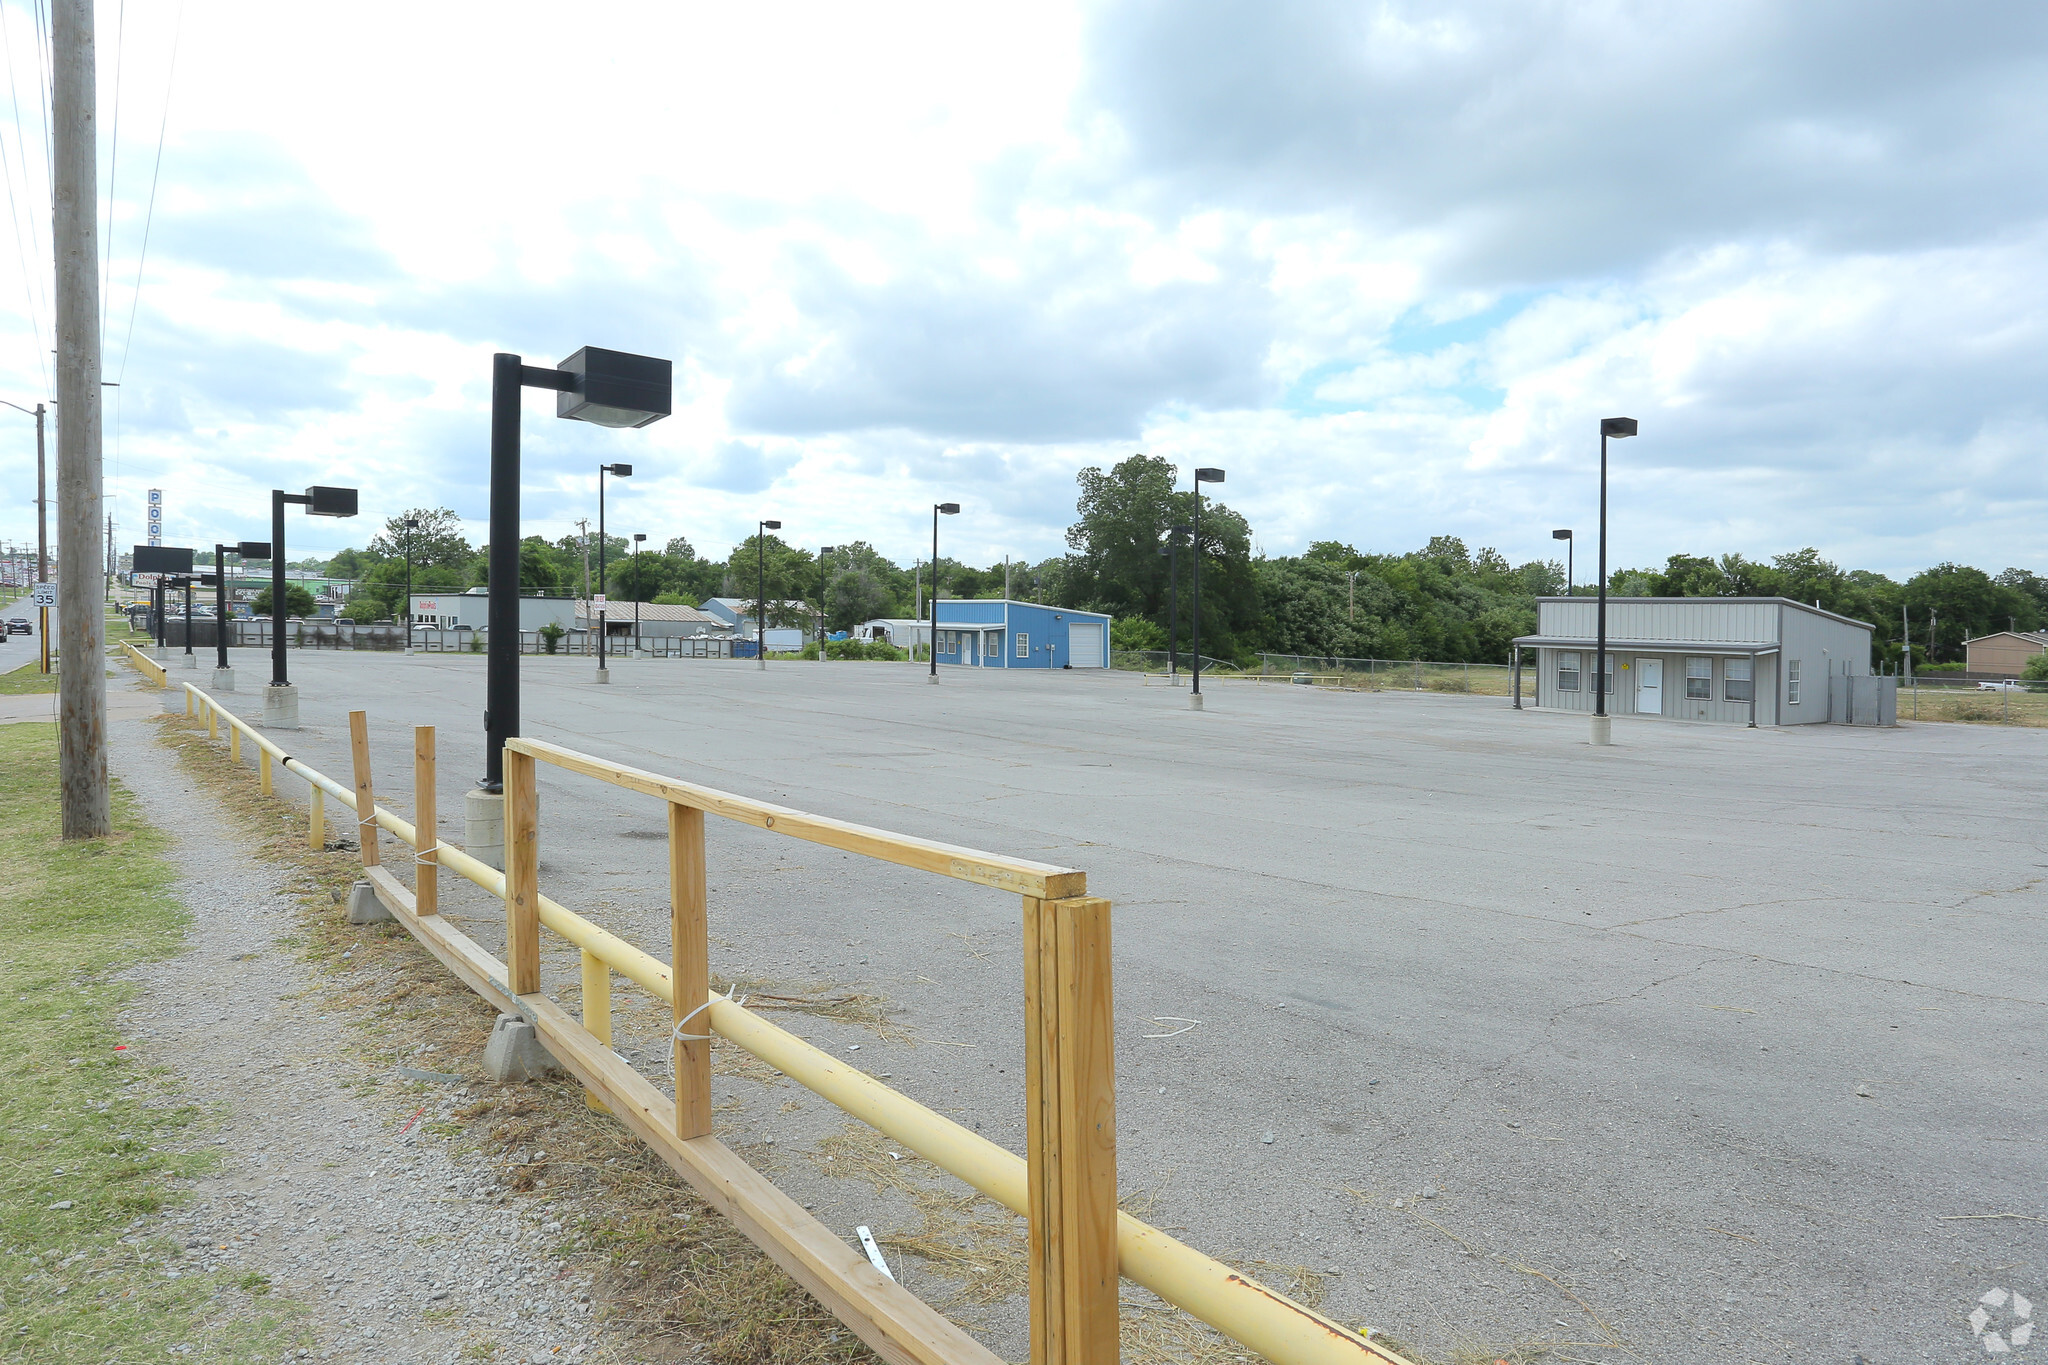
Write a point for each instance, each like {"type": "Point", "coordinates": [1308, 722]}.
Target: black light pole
{"type": "Point", "coordinates": [761, 530]}
{"type": "Point", "coordinates": [1202, 476]}
{"type": "Point", "coordinates": [1569, 547]}
{"type": "Point", "coordinates": [1615, 428]}
{"type": "Point", "coordinates": [606, 388]}
{"type": "Point", "coordinates": [949, 509]}
{"type": "Point", "coordinates": [410, 524]}
{"type": "Point", "coordinates": [190, 662]}
{"type": "Point", "coordinates": [823, 586]}
{"type": "Point", "coordinates": [1172, 552]}
{"type": "Point", "coordinates": [618, 471]}
{"type": "Point", "coordinates": [318, 502]}
{"type": "Point", "coordinates": [638, 536]}
{"type": "Point", "coordinates": [245, 550]}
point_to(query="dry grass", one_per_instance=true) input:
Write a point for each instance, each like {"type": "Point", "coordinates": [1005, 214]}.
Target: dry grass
{"type": "Point", "coordinates": [678, 1276]}
{"type": "Point", "coordinates": [1973, 707]}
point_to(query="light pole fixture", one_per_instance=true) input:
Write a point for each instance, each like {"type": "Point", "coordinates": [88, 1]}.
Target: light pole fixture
{"type": "Point", "coordinates": [280, 699]}
{"type": "Point", "coordinates": [950, 509]}
{"type": "Point", "coordinates": [598, 598]}
{"type": "Point", "coordinates": [223, 676]}
{"type": "Point", "coordinates": [638, 536]}
{"type": "Point", "coordinates": [1611, 428]}
{"type": "Point", "coordinates": [824, 585]}
{"type": "Point", "coordinates": [1171, 549]}
{"type": "Point", "coordinates": [761, 530]}
{"type": "Point", "coordinates": [1565, 535]}
{"type": "Point", "coordinates": [1202, 476]}
{"type": "Point", "coordinates": [410, 525]}
{"type": "Point", "coordinates": [602, 387]}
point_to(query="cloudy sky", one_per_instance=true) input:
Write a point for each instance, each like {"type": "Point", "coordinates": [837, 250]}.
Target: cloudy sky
{"type": "Point", "coordinates": [1387, 264]}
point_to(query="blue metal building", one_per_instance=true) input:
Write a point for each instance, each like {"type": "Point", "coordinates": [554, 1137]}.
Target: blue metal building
{"type": "Point", "coordinates": [994, 633]}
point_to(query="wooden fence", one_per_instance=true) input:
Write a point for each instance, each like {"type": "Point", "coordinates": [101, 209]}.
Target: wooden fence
{"type": "Point", "coordinates": [1065, 1186]}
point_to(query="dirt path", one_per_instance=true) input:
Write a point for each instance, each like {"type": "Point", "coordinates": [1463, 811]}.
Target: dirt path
{"type": "Point", "coordinates": [401, 1250]}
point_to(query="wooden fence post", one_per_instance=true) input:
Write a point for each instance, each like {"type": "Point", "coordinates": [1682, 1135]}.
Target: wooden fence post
{"type": "Point", "coordinates": [263, 770]}
{"type": "Point", "coordinates": [366, 801]}
{"type": "Point", "coordinates": [522, 875]}
{"type": "Point", "coordinates": [316, 827]}
{"type": "Point", "coordinates": [597, 1010]}
{"type": "Point", "coordinates": [690, 963]}
{"type": "Point", "coordinates": [426, 858]}
{"type": "Point", "coordinates": [1070, 1112]}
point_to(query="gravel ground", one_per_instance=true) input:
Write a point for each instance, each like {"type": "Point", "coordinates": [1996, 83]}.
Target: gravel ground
{"type": "Point", "coordinates": [401, 1249]}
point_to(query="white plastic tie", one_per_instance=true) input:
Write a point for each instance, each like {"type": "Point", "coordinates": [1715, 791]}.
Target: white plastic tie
{"type": "Point", "coordinates": [682, 1037]}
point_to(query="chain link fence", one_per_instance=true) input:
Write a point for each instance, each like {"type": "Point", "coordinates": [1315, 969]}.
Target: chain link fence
{"type": "Point", "coordinates": [1395, 675]}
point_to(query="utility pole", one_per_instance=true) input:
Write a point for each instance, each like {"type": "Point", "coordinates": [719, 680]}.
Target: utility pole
{"type": "Point", "coordinates": [584, 527]}
{"type": "Point", "coordinates": [42, 507]}
{"type": "Point", "coordinates": [82, 688]}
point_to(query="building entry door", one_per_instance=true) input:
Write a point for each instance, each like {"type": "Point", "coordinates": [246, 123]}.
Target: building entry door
{"type": "Point", "coordinates": [1650, 687]}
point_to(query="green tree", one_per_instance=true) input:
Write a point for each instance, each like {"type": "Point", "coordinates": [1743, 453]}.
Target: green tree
{"type": "Point", "coordinates": [297, 601]}
{"type": "Point", "coordinates": [363, 608]}
{"type": "Point", "coordinates": [437, 540]}
{"type": "Point", "coordinates": [539, 568]}
{"type": "Point", "coordinates": [1693, 576]}
{"type": "Point", "coordinates": [787, 572]}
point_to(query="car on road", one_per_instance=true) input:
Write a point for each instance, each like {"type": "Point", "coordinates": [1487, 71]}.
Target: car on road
{"type": "Point", "coordinates": [2004, 685]}
{"type": "Point", "coordinates": [20, 626]}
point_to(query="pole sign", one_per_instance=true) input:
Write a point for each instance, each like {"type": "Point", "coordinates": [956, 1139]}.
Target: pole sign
{"type": "Point", "coordinates": [44, 594]}
{"type": "Point", "coordinates": [156, 516]}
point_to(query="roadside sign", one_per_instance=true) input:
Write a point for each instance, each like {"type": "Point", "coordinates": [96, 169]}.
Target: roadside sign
{"type": "Point", "coordinates": [44, 595]}
{"type": "Point", "coordinates": [597, 599]}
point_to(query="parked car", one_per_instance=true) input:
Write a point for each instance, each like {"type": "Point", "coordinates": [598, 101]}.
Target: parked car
{"type": "Point", "coordinates": [2004, 685]}
{"type": "Point", "coordinates": [20, 626]}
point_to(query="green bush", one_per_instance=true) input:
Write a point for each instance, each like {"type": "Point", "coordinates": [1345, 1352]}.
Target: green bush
{"type": "Point", "coordinates": [551, 636]}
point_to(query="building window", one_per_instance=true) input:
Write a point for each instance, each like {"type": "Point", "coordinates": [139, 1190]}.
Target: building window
{"type": "Point", "coordinates": [1699, 679]}
{"type": "Point", "coordinates": [1568, 670]}
{"type": "Point", "coordinates": [1610, 674]}
{"type": "Point", "coordinates": [1736, 684]}
{"type": "Point", "coordinates": [1792, 682]}
{"type": "Point", "coordinates": [1023, 645]}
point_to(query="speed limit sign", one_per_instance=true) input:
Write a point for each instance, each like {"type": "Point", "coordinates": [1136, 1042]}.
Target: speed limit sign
{"type": "Point", "coordinates": [44, 595]}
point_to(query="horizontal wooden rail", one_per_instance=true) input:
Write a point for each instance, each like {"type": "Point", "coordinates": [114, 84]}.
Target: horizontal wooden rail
{"type": "Point", "coordinates": [1269, 1323]}
{"type": "Point", "coordinates": [1019, 875]}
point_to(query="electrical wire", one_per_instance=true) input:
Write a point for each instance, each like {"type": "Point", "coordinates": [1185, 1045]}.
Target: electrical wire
{"type": "Point", "coordinates": [23, 207]}
{"type": "Point", "coordinates": [149, 215]}
{"type": "Point", "coordinates": [113, 171]}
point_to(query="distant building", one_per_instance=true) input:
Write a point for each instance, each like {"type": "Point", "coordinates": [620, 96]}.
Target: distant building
{"type": "Point", "coordinates": [667, 621]}
{"type": "Point", "coordinates": [998, 633]}
{"type": "Point", "coordinates": [900, 631]}
{"type": "Point", "coordinates": [1727, 659]}
{"type": "Point", "coordinates": [738, 612]}
{"type": "Point", "coordinates": [471, 611]}
{"type": "Point", "coordinates": [2004, 653]}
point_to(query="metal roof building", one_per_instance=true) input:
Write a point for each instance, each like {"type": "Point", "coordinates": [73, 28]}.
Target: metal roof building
{"type": "Point", "coordinates": [1736, 660]}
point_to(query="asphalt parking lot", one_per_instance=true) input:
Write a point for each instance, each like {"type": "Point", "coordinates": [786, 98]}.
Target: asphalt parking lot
{"type": "Point", "coordinates": [1718, 1044]}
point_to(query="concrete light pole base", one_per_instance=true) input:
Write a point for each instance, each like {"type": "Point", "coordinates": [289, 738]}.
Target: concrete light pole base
{"type": "Point", "coordinates": [1603, 730]}
{"type": "Point", "coordinates": [363, 905]}
{"type": "Point", "coordinates": [223, 679]}
{"type": "Point", "coordinates": [516, 1053]}
{"type": "Point", "coordinates": [280, 707]}
{"type": "Point", "coordinates": [188, 661]}
{"type": "Point", "coordinates": [604, 675]}
{"type": "Point", "coordinates": [931, 677]}
{"type": "Point", "coordinates": [483, 827]}
{"type": "Point", "coordinates": [1194, 701]}
{"type": "Point", "coordinates": [158, 653]}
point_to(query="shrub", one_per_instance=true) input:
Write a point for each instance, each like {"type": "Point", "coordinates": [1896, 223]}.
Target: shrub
{"type": "Point", "coordinates": [551, 636]}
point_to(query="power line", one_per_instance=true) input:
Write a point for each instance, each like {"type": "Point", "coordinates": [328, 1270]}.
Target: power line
{"type": "Point", "coordinates": [113, 167]}
{"type": "Point", "coordinates": [24, 208]}
{"type": "Point", "coordinates": [149, 216]}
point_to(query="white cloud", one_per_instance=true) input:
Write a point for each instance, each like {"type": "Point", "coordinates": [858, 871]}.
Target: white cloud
{"type": "Point", "coordinates": [1388, 266]}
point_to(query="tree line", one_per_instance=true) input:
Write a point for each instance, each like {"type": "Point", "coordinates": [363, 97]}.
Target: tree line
{"type": "Point", "coordinates": [1132, 553]}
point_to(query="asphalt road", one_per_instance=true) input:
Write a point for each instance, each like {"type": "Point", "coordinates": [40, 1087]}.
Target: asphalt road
{"type": "Point", "coordinates": [1734, 1035]}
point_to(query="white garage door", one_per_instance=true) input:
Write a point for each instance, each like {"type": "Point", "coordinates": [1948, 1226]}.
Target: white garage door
{"type": "Point", "coordinates": [1084, 645]}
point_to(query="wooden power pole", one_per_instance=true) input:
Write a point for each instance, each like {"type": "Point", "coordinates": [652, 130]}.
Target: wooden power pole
{"type": "Point", "coordinates": [82, 686]}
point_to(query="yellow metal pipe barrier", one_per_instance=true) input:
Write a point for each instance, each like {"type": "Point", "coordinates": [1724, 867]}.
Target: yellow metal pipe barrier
{"type": "Point", "coordinates": [1273, 1325]}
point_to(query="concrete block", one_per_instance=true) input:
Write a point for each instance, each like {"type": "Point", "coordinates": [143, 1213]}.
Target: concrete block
{"type": "Point", "coordinates": [604, 675]}
{"type": "Point", "coordinates": [515, 1052]}
{"type": "Point", "coordinates": [1194, 701]}
{"type": "Point", "coordinates": [483, 827]}
{"type": "Point", "coordinates": [188, 661]}
{"type": "Point", "coordinates": [280, 707]}
{"type": "Point", "coordinates": [223, 679]}
{"type": "Point", "coordinates": [364, 907]}
{"type": "Point", "coordinates": [1603, 730]}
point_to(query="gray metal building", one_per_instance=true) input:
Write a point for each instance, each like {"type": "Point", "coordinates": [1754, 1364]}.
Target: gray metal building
{"type": "Point", "coordinates": [1736, 660]}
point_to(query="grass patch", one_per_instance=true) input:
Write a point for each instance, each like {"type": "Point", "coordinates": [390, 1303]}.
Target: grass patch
{"type": "Point", "coordinates": [26, 682]}
{"type": "Point", "coordinates": [96, 1143]}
